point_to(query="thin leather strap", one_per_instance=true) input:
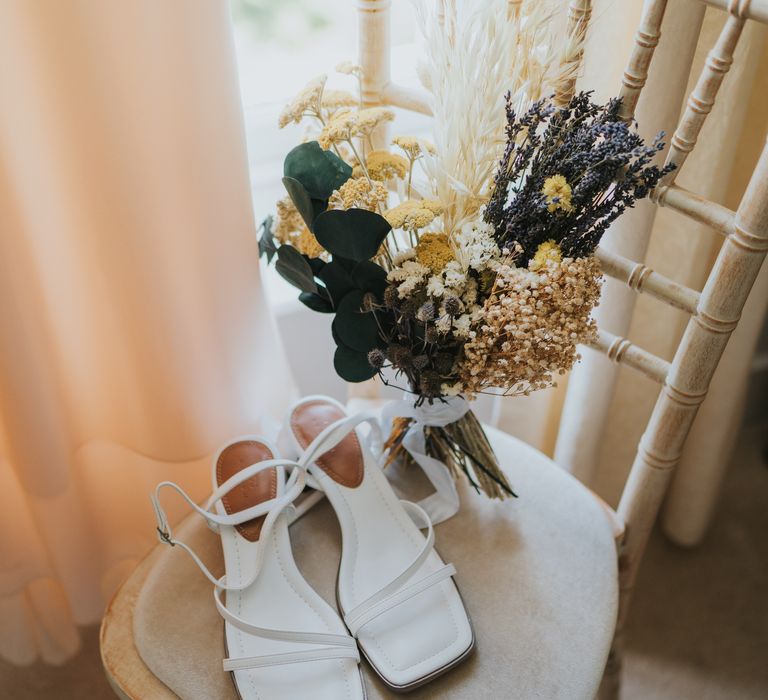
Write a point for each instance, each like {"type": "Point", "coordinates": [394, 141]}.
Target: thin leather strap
{"type": "Point", "coordinates": [398, 581]}
{"type": "Point", "coordinates": [394, 592]}
{"type": "Point", "coordinates": [292, 657]}
{"type": "Point", "coordinates": [363, 617]}
{"type": "Point", "coordinates": [271, 508]}
{"type": "Point", "coordinates": [326, 639]}
{"type": "Point", "coordinates": [330, 436]}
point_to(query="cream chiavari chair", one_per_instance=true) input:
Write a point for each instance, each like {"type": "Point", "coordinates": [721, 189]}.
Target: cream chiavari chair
{"type": "Point", "coordinates": [714, 311]}
{"type": "Point", "coordinates": [548, 579]}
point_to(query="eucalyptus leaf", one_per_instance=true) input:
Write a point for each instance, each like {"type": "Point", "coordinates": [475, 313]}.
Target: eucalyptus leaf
{"type": "Point", "coordinates": [317, 264]}
{"type": "Point", "coordinates": [338, 281]}
{"type": "Point", "coordinates": [267, 245]}
{"type": "Point", "coordinates": [355, 328]}
{"type": "Point", "coordinates": [316, 302]}
{"type": "Point", "coordinates": [293, 267]}
{"type": "Point", "coordinates": [320, 172]}
{"type": "Point", "coordinates": [307, 206]}
{"type": "Point", "coordinates": [352, 366]}
{"type": "Point", "coordinates": [370, 277]}
{"type": "Point", "coordinates": [355, 234]}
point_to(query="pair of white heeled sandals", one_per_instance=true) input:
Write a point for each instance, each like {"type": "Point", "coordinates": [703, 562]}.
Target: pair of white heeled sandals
{"type": "Point", "coordinates": [396, 596]}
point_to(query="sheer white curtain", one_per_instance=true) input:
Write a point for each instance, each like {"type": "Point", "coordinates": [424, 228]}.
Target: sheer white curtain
{"type": "Point", "coordinates": [134, 334]}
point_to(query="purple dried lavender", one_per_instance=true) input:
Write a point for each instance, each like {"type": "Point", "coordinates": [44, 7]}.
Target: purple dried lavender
{"type": "Point", "coordinates": [604, 161]}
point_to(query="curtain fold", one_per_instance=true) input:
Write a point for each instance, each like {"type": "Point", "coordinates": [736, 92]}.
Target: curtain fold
{"type": "Point", "coordinates": [134, 334]}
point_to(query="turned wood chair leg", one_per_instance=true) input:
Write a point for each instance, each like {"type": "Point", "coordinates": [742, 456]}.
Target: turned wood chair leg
{"type": "Point", "coordinates": [611, 682]}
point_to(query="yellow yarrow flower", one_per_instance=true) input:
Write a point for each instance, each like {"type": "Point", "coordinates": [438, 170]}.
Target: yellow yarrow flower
{"type": "Point", "coordinates": [306, 102]}
{"type": "Point", "coordinates": [307, 244]}
{"type": "Point", "coordinates": [434, 251]}
{"type": "Point", "coordinates": [335, 99]}
{"type": "Point", "coordinates": [346, 124]}
{"type": "Point", "coordinates": [349, 68]}
{"type": "Point", "coordinates": [383, 165]}
{"type": "Point", "coordinates": [290, 228]}
{"type": "Point", "coordinates": [412, 146]}
{"type": "Point", "coordinates": [558, 193]}
{"type": "Point", "coordinates": [413, 214]}
{"type": "Point", "coordinates": [359, 193]}
{"type": "Point", "coordinates": [547, 252]}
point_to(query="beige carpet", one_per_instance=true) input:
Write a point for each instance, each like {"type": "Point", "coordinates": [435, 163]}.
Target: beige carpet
{"type": "Point", "coordinates": [698, 629]}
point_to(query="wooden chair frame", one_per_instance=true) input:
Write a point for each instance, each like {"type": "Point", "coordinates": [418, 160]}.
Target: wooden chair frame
{"type": "Point", "coordinates": [714, 311]}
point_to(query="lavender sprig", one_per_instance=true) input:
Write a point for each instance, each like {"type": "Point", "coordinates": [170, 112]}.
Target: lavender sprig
{"type": "Point", "coordinates": [604, 161]}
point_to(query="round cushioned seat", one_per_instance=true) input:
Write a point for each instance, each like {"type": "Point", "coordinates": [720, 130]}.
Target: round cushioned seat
{"type": "Point", "coordinates": [538, 575]}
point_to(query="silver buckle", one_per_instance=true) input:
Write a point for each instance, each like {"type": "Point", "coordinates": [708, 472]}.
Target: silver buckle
{"type": "Point", "coordinates": [165, 537]}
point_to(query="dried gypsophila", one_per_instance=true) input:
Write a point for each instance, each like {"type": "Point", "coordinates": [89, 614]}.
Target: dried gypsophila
{"type": "Point", "coordinates": [530, 326]}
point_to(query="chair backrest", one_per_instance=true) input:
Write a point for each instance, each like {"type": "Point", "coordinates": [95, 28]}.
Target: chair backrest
{"type": "Point", "coordinates": [714, 312]}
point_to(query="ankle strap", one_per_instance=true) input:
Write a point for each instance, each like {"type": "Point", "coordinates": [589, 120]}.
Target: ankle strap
{"type": "Point", "coordinates": [271, 508]}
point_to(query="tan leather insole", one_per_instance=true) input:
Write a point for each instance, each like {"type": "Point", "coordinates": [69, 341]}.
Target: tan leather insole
{"type": "Point", "coordinates": [344, 463]}
{"type": "Point", "coordinates": [259, 488]}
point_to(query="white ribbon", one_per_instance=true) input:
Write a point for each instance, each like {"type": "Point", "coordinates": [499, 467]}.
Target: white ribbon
{"type": "Point", "coordinates": [444, 502]}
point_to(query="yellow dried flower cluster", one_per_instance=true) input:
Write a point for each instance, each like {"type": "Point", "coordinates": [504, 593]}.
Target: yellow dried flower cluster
{"type": "Point", "coordinates": [346, 124]}
{"type": "Point", "coordinates": [336, 99]}
{"type": "Point", "coordinates": [290, 228]}
{"type": "Point", "coordinates": [412, 146]}
{"type": "Point", "coordinates": [383, 165]}
{"type": "Point", "coordinates": [306, 102]}
{"type": "Point", "coordinates": [530, 325]}
{"type": "Point", "coordinates": [558, 193]}
{"type": "Point", "coordinates": [547, 252]}
{"type": "Point", "coordinates": [349, 68]}
{"type": "Point", "coordinates": [434, 251]}
{"type": "Point", "coordinates": [413, 214]}
{"type": "Point", "coordinates": [307, 244]}
{"type": "Point", "coordinates": [359, 193]}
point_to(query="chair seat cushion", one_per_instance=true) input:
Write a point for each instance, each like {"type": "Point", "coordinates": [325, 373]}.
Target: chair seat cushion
{"type": "Point", "coordinates": [538, 575]}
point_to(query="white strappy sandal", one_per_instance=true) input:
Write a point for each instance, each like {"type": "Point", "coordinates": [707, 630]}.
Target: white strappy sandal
{"type": "Point", "coordinates": [283, 640]}
{"type": "Point", "coordinates": [396, 595]}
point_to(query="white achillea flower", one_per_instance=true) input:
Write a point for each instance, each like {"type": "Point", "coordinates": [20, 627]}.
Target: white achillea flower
{"type": "Point", "coordinates": [455, 277]}
{"type": "Point", "coordinates": [452, 389]}
{"type": "Point", "coordinates": [475, 245]}
{"type": "Point", "coordinates": [401, 256]}
{"type": "Point", "coordinates": [435, 286]}
{"type": "Point", "coordinates": [410, 275]}
{"type": "Point", "coordinates": [461, 326]}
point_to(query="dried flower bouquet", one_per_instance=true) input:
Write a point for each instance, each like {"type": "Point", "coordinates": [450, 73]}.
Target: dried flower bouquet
{"type": "Point", "coordinates": [464, 266]}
